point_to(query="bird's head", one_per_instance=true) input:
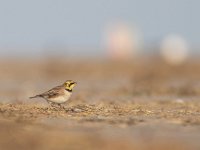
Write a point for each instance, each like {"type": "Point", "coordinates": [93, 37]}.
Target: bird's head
{"type": "Point", "coordinates": [69, 85]}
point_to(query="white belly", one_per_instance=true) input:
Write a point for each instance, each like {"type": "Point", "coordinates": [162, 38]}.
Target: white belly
{"type": "Point", "coordinates": [61, 99]}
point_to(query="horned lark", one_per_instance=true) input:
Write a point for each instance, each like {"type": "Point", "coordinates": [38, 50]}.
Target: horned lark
{"type": "Point", "coordinates": [59, 94]}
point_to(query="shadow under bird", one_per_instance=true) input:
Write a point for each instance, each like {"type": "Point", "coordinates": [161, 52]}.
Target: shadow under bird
{"type": "Point", "coordinates": [59, 94]}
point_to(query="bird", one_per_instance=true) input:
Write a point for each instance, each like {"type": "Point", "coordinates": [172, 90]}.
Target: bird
{"type": "Point", "coordinates": [59, 94]}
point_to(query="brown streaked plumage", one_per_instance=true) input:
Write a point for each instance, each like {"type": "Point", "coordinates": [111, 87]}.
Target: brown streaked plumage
{"type": "Point", "coordinates": [59, 94]}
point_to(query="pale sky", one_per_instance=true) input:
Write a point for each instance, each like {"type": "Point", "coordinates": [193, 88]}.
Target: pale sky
{"type": "Point", "coordinates": [35, 24]}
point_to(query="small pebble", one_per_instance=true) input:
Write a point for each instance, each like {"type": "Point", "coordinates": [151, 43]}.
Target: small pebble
{"type": "Point", "coordinates": [77, 110]}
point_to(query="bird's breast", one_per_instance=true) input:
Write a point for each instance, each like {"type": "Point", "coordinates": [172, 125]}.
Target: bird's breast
{"type": "Point", "coordinates": [62, 98]}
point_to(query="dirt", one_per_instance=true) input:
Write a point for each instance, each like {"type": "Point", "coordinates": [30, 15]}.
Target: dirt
{"type": "Point", "coordinates": [141, 104]}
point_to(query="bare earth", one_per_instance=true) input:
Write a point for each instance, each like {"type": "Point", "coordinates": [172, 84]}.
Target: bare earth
{"type": "Point", "coordinates": [141, 104]}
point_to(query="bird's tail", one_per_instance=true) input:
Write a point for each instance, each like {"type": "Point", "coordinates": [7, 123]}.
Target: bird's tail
{"type": "Point", "coordinates": [35, 96]}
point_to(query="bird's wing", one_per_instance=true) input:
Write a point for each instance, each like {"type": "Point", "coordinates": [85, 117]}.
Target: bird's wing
{"type": "Point", "coordinates": [54, 92]}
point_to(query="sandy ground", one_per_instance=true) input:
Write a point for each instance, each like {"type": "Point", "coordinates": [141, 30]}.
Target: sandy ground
{"type": "Point", "coordinates": [142, 104]}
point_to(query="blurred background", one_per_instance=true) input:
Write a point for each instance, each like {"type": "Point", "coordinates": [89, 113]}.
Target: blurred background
{"type": "Point", "coordinates": [121, 43]}
{"type": "Point", "coordinates": [43, 43]}
{"type": "Point", "coordinates": [84, 28]}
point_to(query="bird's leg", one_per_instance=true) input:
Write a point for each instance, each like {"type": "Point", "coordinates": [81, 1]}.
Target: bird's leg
{"type": "Point", "coordinates": [61, 106]}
